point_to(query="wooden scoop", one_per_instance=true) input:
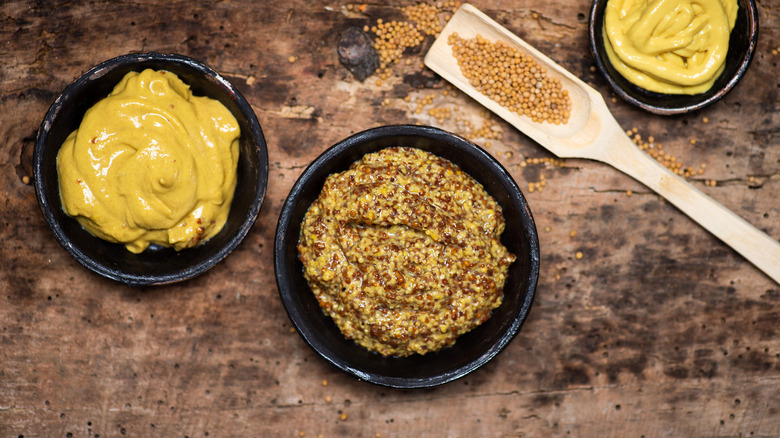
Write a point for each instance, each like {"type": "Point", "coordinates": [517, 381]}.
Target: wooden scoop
{"type": "Point", "coordinates": [592, 132]}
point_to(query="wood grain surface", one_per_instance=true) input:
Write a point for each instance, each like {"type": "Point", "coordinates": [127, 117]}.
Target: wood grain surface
{"type": "Point", "coordinates": [658, 329]}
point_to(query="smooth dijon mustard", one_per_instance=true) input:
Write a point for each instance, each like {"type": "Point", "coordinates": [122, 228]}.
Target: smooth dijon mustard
{"type": "Point", "coordinates": [669, 46]}
{"type": "Point", "coordinates": [402, 251]}
{"type": "Point", "coordinates": [151, 164]}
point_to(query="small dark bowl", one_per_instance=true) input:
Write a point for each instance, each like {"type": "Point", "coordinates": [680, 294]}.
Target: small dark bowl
{"type": "Point", "coordinates": [742, 47]}
{"type": "Point", "coordinates": [156, 265]}
{"type": "Point", "coordinates": [471, 350]}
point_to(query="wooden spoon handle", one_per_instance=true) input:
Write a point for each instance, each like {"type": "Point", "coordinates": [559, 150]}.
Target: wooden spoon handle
{"type": "Point", "coordinates": [756, 246]}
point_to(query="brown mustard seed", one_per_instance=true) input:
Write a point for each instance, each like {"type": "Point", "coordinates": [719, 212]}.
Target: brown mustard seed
{"type": "Point", "coordinates": [512, 78]}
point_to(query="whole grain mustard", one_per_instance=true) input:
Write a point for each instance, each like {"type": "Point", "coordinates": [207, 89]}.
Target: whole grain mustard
{"type": "Point", "coordinates": [669, 46]}
{"type": "Point", "coordinates": [151, 164]}
{"type": "Point", "coordinates": [403, 252]}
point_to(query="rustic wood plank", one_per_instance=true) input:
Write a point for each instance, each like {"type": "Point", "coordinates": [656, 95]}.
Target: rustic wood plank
{"type": "Point", "coordinates": [658, 330]}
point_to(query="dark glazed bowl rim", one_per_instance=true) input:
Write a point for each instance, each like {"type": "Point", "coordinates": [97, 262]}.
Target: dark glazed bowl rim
{"type": "Point", "coordinates": [253, 166]}
{"type": "Point", "coordinates": [738, 59]}
{"type": "Point", "coordinates": [473, 349]}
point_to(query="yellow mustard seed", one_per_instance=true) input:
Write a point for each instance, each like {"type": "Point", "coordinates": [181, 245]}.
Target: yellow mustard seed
{"type": "Point", "coordinates": [425, 16]}
{"type": "Point", "coordinates": [291, 59]}
{"type": "Point", "coordinates": [578, 255]}
{"type": "Point", "coordinates": [512, 78]}
{"type": "Point", "coordinates": [657, 152]}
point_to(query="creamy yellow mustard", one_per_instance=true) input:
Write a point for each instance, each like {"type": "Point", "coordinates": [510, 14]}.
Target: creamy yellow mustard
{"type": "Point", "coordinates": [669, 46]}
{"type": "Point", "coordinates": [151, 163]}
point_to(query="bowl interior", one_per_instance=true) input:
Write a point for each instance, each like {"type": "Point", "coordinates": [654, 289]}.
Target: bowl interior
{"type": "Point", "coordinates": [156, 265]}
{"type": "Point", "coordinates": [742, 45]}
{"type": "Point", "coordinates": [471, 350]}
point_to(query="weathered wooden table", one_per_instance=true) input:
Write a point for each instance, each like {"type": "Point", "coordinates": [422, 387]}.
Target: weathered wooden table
{"type": "Point", "coordinates": [655, 328]}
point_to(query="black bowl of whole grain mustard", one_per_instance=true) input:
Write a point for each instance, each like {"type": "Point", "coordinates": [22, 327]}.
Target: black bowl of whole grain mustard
{"type": "Point", "coordinates": [425, 363]}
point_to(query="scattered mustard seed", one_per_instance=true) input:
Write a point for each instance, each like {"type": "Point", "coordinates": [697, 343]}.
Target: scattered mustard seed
{"type": "Point", "coordinates": [657, 152]}
{"type": "Point", "coordinates": [425, 16]}
{"type": "Point", "coordinates": [392, 39]}
{"type": "Point", "coordinates": [578, 255]}
{"type": "Point", "coordinates": [291, 59]}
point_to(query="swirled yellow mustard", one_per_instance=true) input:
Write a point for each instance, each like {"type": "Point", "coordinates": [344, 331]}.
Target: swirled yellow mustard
{"type": "Point", "coordinates": [151, 164]}
{"type": "Point", "coordinates": [669, 46]}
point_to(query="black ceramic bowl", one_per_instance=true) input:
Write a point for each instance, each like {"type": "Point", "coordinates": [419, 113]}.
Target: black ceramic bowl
{"type": "Point", "coordinates": [742, 46]}
{"type": "Point", "coordinates": [156, 265]}
{"type": "Point", "coordinates": [471, 350]}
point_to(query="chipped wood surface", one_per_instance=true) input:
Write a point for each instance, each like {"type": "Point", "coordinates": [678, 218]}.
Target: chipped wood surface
{"type": "Point", "coordinates": [657, 330]}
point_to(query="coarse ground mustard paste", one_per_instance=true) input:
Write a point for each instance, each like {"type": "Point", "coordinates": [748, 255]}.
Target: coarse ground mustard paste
{"type": "Point", "coordinates": [402, 250]}
{"type": "Point", "coordinates": [669, 46]}
{"type": "Point", "coordinates": [151, 164]}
